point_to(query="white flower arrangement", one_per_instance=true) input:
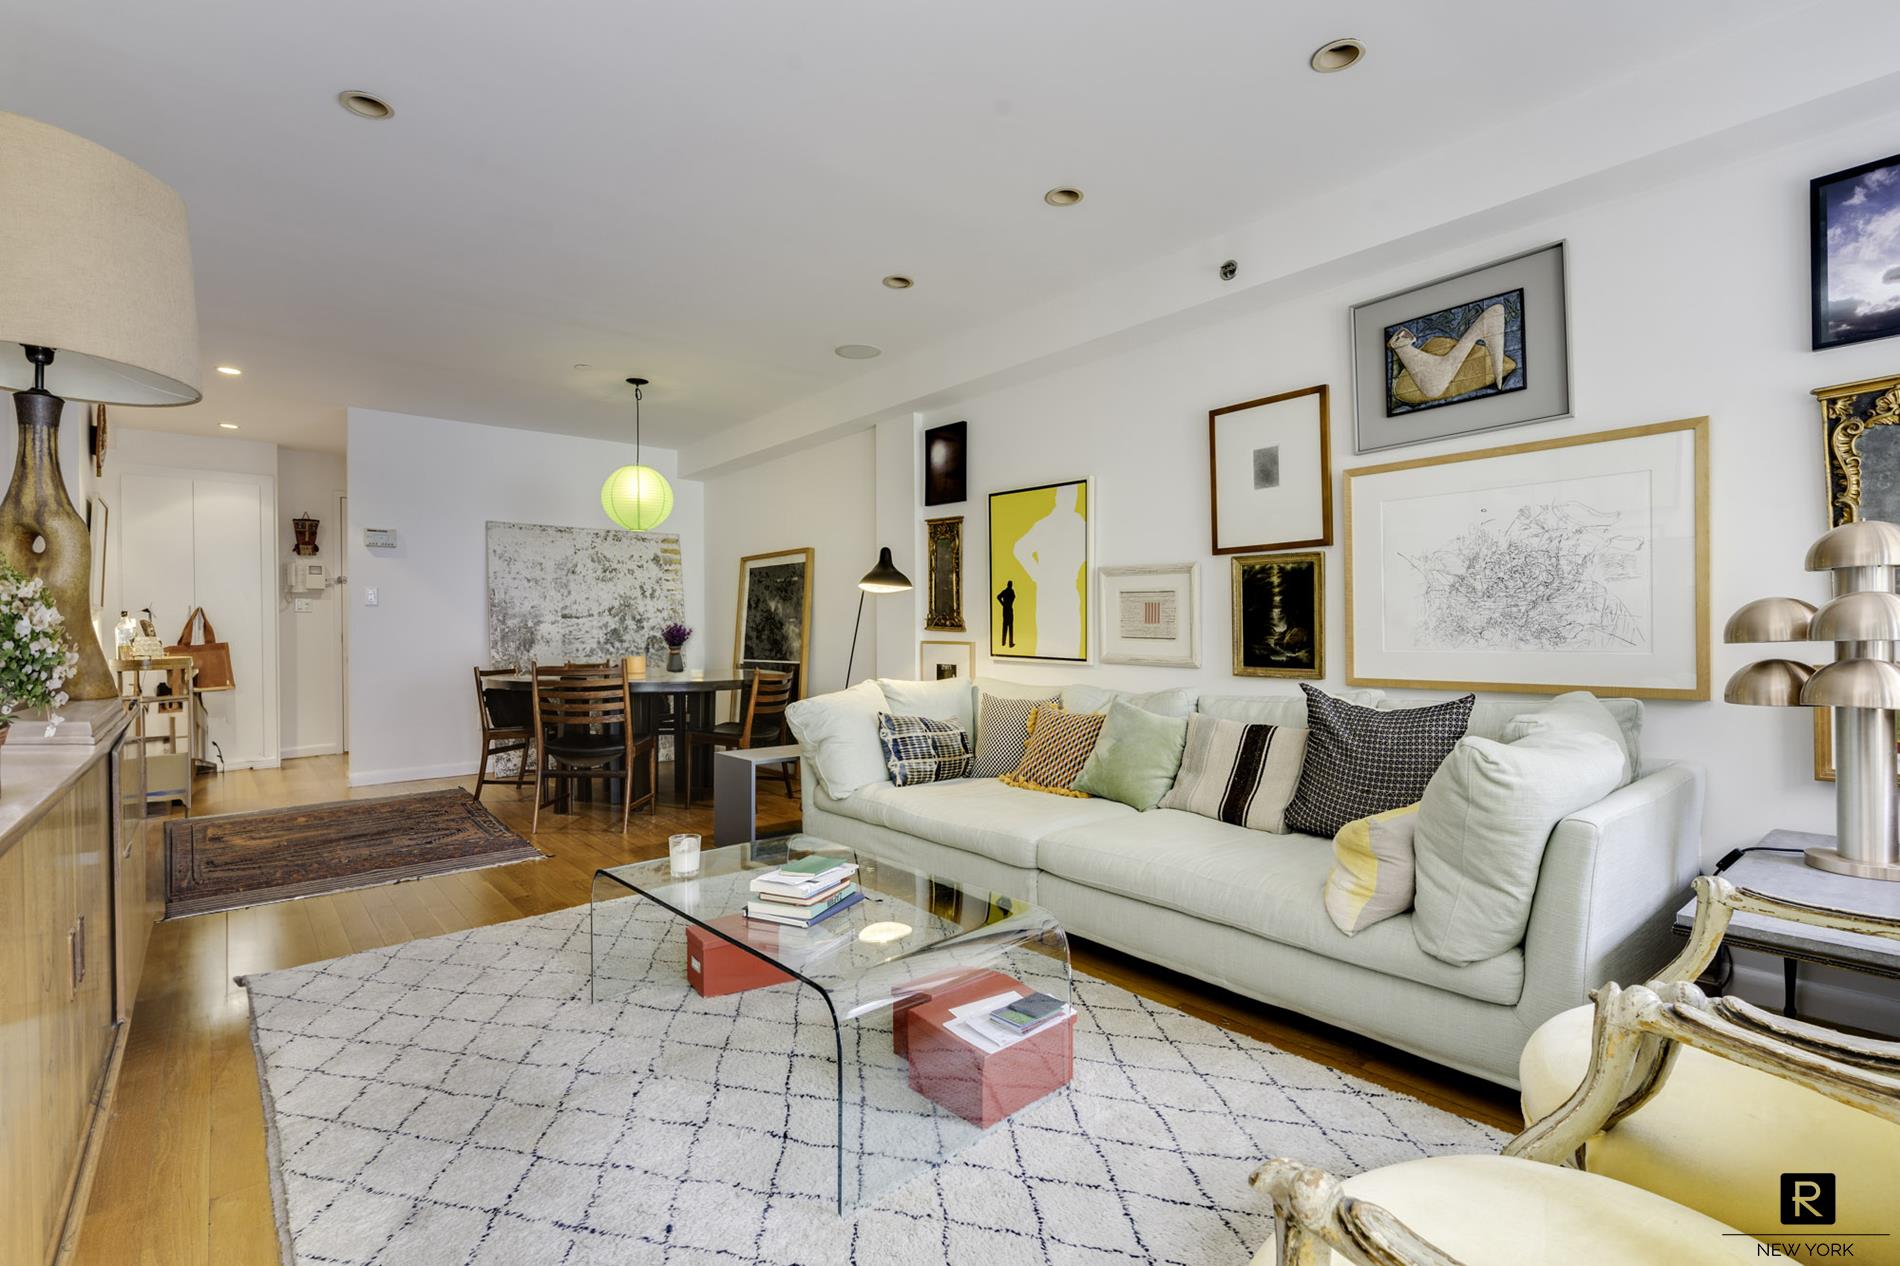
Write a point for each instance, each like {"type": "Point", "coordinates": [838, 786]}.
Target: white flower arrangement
{"type": "Point", "coordinates": [37, 658]}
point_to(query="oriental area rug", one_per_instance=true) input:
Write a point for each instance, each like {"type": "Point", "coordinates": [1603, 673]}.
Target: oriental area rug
{"type": "Point", "coordinates": [236, 860]}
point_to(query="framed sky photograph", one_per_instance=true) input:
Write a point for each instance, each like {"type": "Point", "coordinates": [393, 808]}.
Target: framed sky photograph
{"type": "Point", "coordinates": [1854, 242]}
{"type": "Point", "coordinates": [1477, 351]}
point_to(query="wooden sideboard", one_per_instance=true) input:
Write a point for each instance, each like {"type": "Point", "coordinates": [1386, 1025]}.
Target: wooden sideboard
{"type": "Point", "coordinates": [78, 896]}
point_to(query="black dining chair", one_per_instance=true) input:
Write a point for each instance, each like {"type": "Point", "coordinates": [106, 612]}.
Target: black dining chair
{"type": "Point", "coordinates": [577, 710]}
{"type": "Point", "coordinates": [505, 716]}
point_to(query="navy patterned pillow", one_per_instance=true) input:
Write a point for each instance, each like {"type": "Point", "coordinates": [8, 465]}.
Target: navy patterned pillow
{"type": "Point", "coordinates": [1361, 761]}
{"type": "Point", "coordinates": [920, 750]}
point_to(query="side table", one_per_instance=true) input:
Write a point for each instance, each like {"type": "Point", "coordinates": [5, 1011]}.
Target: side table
{"type": "Point", "coordinates": [1786, 876]}
{"type": "Point", "coordinates": [736, 790]}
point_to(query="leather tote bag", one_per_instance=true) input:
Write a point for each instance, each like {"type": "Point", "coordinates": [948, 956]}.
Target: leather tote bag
{"type": "Point", "coordinates": [212, 657]}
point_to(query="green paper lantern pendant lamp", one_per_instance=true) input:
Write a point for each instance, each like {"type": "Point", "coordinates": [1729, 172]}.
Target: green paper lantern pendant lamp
{"type": "Point", "coordinates": [637, 497]}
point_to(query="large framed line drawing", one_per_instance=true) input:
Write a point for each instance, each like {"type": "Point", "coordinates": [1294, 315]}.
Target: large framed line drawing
{"type": "Point", "coordinates": [774, 620]}
{"type": "Point", "coordinates": [1041, 548]}
{"type": "Point", "coordinates": [1568, 564]}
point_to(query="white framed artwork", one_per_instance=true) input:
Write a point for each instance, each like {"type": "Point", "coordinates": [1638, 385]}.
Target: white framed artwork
{"type": "Point", "coordinates": [940, 661]}
{"type": "Point", "coordinates": [1270, 479]}
{"type": "Point", "coordinates": [1151, 615]}
{"type": "Point", "coordinates": [1567, 564]}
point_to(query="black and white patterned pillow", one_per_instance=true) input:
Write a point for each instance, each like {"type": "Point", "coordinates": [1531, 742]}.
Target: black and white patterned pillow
{"type": "Point", "coordinates": [920, 750]}
{"type": "Point", "coordinates": [1002, 733]}
{"type": "Point", "coordinates": [1361, 761]}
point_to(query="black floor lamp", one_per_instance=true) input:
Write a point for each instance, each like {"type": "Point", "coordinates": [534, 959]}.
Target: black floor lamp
{"type": "Point", "coordinates": [883, 578]}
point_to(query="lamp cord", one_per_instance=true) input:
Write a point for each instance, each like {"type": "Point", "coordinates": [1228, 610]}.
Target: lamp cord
{"type": "Point", "coordinates": [638, 393]}
{"type": "Point", "coordinates": [855, 624]}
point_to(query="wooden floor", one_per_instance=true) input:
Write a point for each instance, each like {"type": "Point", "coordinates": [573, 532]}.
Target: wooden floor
{"type": "Point", "coordinates": [181, 1175]}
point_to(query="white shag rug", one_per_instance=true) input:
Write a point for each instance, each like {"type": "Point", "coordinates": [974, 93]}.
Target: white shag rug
{"type": "Point", "coordinates": [459, 1101]}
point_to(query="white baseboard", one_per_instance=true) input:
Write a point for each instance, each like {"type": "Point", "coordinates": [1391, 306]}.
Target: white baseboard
{"type": "Point", "coordinates": [312, 749]}
{"type": "Point", "coordinates": [415, 773]}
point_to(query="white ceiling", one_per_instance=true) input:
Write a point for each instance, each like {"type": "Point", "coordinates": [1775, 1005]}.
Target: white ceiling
{"type": "Point", "coordinates": [708, 193]}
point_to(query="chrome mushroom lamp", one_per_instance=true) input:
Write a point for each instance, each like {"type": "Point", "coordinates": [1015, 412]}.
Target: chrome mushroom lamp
{"type": "Point", "coordinates": [1862, 686]}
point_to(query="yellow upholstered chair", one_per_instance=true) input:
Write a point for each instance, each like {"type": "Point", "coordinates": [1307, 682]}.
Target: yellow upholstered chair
{"type": "Point", "coordinates": [1532, 1206]}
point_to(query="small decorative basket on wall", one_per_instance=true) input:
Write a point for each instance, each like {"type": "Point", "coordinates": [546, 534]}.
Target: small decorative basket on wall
{"type": "Point", "coordinates": [306, 529]}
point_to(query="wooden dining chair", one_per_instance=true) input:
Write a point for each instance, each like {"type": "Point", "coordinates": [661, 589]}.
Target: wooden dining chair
{"type": "Point", "coordinates": [505, 717]}
{"type": "Point", "coordinates": [576, 708]}
{"type": "Point", "coordinates": [761, 724]}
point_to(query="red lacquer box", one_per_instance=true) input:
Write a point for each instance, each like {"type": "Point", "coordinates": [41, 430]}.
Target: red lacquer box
{"type": "Point", "coordinates": [984, 1088]}
{"type": "Point", "coordinates": [715, 966]}
{"type": "Point", "coordinates": [955, 987]}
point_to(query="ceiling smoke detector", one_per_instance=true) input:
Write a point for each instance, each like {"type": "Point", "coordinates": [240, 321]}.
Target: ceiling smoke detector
{"type": "Point", "coordinates": [1062, 196]}
{"type": "Point", "coordinates": [857, 351]}
{"type": "Point", "coordinates": [366, 105]}
{"type": "Point", "coordinates": [1337, 55]}
{"type": "Point", "coordinates": [897, 281]}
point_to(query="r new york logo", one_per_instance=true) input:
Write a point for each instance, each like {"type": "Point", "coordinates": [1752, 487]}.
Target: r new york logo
{"type": "Point", "coordinates": [1808, 1199]}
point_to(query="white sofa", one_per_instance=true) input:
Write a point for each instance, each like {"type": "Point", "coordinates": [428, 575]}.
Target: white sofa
{"type": "Point", "coordinates": [1244, 909]}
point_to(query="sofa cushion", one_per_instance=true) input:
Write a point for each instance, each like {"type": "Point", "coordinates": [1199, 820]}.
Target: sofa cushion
{"type": "Point", "coordinates": [982, 816]}
{"type": "Point", "coordinates": [1482, 827]}
{"type": "Point", "coordinates": [1269, 885]}
{"type": "Point", "coordinates": [949, 700]}
{"type": "Point", "coordinates": [1361, 761]}
{"type": "Point", "coordinates": [839, 734]}
{"type": "Point", "coordinates": [1275, 709]}
{"type": "Point", "coordinates": [1002, 732]}
{"type": "Point", "coordinates": [1239, 772]}
{"type": "Point", "coordinates": [1060, 743]}
{"type": "Point", "coordinates": [1577, 710]}
{"type": "Point", "coordinates": [1493, 718]}
{"type": "Point", "coordinates": [1371, 878]}
{"type": "Point", "coordinates": [919, 750]}
{"type": "Point", "coordinates": [1136, 757]}
{"type": "Point", "coordinates": [1178, 702]}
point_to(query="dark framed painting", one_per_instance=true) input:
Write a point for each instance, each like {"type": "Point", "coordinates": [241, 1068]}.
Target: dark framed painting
{"type": "Point", "coordinates": [1279, 615]}
{"type": "Point", "coordinates": [1476, 351]}
{"type": "Point", "coordinates": [946, 475]}
{"type": "Point", "coordinates": [1270, 473]}
{"type": "Point", "coordinates": [1853, 259]}
{"type": "Point", "coordinates": [943, 551]}
{"type": "Point", "coordinates": [774, 619]}
{"type": "Point", "coordinates": [1860, 436]}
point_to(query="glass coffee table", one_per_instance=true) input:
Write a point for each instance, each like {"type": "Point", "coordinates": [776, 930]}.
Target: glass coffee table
{"type": "Point", "coordinates": [884, 1071]}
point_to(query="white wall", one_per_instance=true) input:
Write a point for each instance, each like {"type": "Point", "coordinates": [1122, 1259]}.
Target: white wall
{"type": "Point", "coordinates": [438, 483]}
{"type": "Point", "coordinates": [1687, 298]}
{"type": "Point", "coordinates": [311, 642]}
{"type": "Point", "coordinates": [824, 498]}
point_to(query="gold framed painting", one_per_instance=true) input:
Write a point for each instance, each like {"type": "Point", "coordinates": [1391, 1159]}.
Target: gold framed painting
{"type": "Point", "coordinates": [1579, 563]}
{"type": "Point", "coordinates": [943, 588]}
{"type": "Point", "coordinates": [1279, 615]}
{"type": "Point", "coordinates": [774, 616]}
{"type": "Point", "coordinates": [1860, 438]}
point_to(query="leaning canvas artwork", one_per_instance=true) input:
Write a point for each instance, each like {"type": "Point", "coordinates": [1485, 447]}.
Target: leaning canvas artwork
{"type": "Point", "coordinates": [560, 595]}
{"type": "Point", "coordinates": [774, 613]}
{"type": "Point", "coordinates": [1460, 353]}
{"type": "Point", "coordinates": [1039, 572]}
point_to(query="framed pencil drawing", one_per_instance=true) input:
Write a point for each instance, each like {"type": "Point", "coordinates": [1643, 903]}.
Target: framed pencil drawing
{"type": "Point", "coordinates": [1475, 351]}
{"type": "Point", "coordinates": [1567, 564]}
{"type": "Point", "coordinates": [1270, 477]}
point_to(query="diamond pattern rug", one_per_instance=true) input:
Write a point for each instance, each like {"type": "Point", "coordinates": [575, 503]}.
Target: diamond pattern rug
{"type": "Point", "coordinates": [459, 1100]}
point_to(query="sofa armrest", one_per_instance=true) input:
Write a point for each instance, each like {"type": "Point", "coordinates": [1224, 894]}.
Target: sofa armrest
{"type": "Point", "coordinates": [1613, 876]}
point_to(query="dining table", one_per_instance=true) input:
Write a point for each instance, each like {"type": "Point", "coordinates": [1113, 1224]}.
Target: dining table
{"type": "Point", "coordinates": [693, 696]}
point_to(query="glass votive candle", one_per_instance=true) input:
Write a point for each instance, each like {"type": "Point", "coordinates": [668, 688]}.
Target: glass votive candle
{"type": "Point", "coordinates": [682, 853]}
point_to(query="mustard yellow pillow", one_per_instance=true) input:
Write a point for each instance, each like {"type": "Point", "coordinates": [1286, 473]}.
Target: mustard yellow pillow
{"type": "Point", "coordinates": [1371, 878]}
{"type": "Point", "coordinates": [1059, 745]}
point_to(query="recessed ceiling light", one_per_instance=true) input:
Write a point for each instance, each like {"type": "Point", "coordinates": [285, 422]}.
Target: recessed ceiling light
{"type": "Point", "coordinates": [365, 105]}
{"type": "Point", "coordinates": [1062, 196]}
{"type": "Point", "coordinates": [230, 371]}
{"type": "Point", "coordinates": [897, 281]}
{"type": "Point", "coordinates": [229, 426]}
{"type": "Point", "coordinates": [583, 366]}
{"type": "Point", "coordinates": [1337, 55]}
{"type": "Point", "coordinates": [857, 351]}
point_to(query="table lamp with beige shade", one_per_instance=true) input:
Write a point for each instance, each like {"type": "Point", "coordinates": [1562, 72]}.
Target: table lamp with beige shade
{"type": "Point", "coordinates": [96, 303]}
{"type": "Point", "coordinates": [1862, 686]}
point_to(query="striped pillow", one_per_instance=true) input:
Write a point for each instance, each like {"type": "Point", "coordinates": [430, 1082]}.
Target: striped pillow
{"type": "Point", "coordinates": [919, 750]}
{"type": "Point", "coordinates": [1373, 871]}
{"type": "Point", "coordinates": [1002, 731]}
{"type": "Point", "coordinates": [1059, 745]}
{"type": "Point", "coordinates": [1238, 772]}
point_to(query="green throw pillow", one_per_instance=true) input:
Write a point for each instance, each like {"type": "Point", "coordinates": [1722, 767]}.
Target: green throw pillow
{"type": "Point", "coordinates": [1136, 758]}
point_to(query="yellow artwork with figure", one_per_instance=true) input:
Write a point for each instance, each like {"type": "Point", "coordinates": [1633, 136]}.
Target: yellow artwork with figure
{"type": "Point", "coordinates": [1040, 542]}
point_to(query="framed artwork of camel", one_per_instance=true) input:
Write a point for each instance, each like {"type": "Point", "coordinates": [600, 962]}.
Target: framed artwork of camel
{"type": "Point", "coordinates": [1477, 351]}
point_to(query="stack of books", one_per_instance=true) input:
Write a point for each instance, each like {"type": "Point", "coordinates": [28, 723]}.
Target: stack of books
{"type": "Point", "coordinates": [802, 893]}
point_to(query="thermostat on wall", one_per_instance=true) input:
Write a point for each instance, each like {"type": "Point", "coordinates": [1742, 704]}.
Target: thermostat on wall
{"type": "Point", "coordinates": [379, 538]}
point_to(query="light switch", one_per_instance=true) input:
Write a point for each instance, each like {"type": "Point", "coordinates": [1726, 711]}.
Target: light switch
{"type": "Point", "coordinates": [369, 597]}
{"type": "Point", "coordinates": [303, 606]}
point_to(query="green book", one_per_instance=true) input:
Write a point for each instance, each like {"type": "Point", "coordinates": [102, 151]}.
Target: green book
{"type": "Point", "coordinates": [815, 864]}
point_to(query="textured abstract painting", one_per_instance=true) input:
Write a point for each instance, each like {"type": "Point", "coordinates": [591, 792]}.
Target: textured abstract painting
{"type": "Point", "coordinates": [579, 595]}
